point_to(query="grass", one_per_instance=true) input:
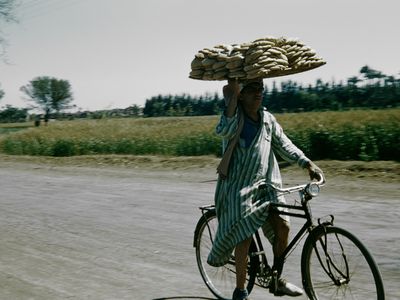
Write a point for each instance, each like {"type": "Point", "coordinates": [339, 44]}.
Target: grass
{"type": "Point", "coordinates": [359, 134]}
{"type": "Point", "coordinates": [167, 136]}
{"type": "Point", "coordinates": [13, 127]}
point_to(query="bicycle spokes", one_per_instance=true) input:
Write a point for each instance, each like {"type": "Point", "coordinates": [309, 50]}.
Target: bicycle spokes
{"type": "Point", "coordinates": [208, 228]}
{"type": "Point", "coordinates": [336, 269]}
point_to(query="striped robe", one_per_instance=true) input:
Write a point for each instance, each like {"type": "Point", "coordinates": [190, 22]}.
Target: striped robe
{"type": "Point", "coordinates": [240, 216]}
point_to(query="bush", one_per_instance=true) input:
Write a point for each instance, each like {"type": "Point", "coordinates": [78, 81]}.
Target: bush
{"type": "Point", "coordinates": [64, 148]}
{"type": "Point", "coordinates": [356, 135]}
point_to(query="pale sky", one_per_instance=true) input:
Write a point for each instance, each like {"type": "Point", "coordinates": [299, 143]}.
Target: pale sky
{"type": "Point", "coordinates": [116, 53]}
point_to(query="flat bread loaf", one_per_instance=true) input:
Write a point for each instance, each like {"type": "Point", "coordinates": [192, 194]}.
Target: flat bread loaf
{"type": "Point", "coordinates": [263, 58]}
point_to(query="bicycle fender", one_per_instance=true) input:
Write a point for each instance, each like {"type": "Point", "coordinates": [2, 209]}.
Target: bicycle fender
{"type": "Point", "coordinates": [202, 220]}
{"type": "Point", "coordinates": [317, 230]}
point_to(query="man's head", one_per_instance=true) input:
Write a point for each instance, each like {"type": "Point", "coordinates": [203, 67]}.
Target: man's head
{"type": "Point", "coordinates": [251, 93]}
{"type": "Point", "coordinates": [251, 85]}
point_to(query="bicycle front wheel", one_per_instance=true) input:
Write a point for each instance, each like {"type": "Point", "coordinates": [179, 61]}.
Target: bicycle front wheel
{"type": "Point", "coordinates": [221, 281]}
{"type": "Point", "coordinates": [336, 265]}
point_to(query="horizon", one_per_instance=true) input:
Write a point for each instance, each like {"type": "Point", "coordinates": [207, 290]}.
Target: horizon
{"type": "Point", "coordinates": [118, 55]}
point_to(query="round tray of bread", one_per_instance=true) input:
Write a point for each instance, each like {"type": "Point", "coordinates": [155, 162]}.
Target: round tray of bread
{"type": "Point", "coordinates": [263, 58]}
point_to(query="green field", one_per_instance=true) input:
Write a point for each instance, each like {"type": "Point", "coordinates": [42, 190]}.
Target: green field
{"type": "Point", "coordinates": [358, 134]}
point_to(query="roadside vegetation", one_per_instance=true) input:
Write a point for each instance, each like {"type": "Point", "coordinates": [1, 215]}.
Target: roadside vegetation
{"type": "Point", "coordinates": [348, 135]}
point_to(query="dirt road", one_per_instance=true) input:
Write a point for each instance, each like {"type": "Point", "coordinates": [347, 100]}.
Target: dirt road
{"type": "Point", "coordinates": [123, 233]}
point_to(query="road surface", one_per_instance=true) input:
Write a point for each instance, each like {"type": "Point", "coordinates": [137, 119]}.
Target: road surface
{"type": "Point", "coordinates": [123, 233]}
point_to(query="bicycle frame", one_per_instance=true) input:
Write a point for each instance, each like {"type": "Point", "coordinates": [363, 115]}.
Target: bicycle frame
{"type": "Point", "coordinates": [308, 226]}
{"type": "Point", "coordinates": [325, 247]}
{"type": "Point", "coordinates": [307, 215]}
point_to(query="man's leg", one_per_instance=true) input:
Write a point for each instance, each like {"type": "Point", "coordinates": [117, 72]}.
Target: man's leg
{"type": "Point", "coordinates": [281, 230]}
{"type": "Point", "coordinates": [241, 251]}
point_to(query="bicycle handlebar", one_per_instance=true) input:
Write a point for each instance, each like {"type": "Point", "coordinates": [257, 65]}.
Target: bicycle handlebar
{"type": "Point", "coordinates": [263, 184]}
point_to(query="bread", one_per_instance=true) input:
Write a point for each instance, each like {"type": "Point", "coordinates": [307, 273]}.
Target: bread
{"type": "Point", "coordinates": [262, 58]}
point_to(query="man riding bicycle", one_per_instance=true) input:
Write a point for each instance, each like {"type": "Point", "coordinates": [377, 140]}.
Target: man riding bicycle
{"type": "Point", "coordinates": [251, 139]}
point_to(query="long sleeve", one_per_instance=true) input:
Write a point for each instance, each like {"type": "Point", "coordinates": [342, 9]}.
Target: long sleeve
{"type": "Point", "coordinates": [227, 127]}
{"type": "Point", "coordinates": [285, 148]}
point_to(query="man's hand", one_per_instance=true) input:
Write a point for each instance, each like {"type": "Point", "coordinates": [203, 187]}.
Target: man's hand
{"type": "Point", "coordinates": [231, 93]}
{"type": "Point", "coordinates": [231, 90]}
{"type": "Point", "coordinates": [314, 171]}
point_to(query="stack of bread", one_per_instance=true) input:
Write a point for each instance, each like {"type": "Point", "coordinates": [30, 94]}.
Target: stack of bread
{"type": "Point", "coordinates": [262, 58]}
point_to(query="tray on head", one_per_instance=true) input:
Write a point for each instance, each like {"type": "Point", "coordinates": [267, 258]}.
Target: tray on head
{"type": "Point", "coordinates": [263, 58]}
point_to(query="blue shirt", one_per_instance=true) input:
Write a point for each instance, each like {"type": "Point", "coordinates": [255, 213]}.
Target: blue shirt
{"type": "Point", "coordinates": [250, 129]}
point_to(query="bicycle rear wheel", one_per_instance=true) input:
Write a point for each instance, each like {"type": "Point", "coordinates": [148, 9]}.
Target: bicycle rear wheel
{"type": "Point", "coordinates": [336, 265]}
{"type": "Point", "coordinates": [221, 281]}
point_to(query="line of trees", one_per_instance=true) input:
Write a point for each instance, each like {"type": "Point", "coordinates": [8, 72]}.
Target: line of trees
{"type": "Point", "coordinates": [182, 105]}
{"type": "Point", "coordinates": [371, 89]}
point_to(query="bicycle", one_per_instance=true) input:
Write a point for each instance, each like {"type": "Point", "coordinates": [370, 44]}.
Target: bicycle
{"type": "Point", "coordinates": [334, 263]}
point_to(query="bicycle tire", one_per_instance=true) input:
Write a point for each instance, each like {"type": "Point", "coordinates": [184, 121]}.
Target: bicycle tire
{"type": "Point", "coordinates": [221, 281]}
{"type": "Point", "coordinates": [357, 270]}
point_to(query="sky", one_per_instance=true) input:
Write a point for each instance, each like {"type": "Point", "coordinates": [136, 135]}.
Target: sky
{"type": "Point", "coordinates": [116, 53]}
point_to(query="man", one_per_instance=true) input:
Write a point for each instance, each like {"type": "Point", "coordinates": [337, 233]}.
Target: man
{"type": "Point", "coordinates": [251, 138]}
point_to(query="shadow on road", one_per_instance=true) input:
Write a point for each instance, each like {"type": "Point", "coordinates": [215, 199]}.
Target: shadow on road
{"type": "Point", "coordinates": [185, 297]}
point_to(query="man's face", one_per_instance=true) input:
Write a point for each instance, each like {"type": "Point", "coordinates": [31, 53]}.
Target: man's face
{"type": "Point", "coordinates": [251, 96]}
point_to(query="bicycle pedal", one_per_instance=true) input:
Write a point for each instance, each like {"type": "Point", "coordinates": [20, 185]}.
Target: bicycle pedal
{"type": "Point", "coordinates": [273, 286]}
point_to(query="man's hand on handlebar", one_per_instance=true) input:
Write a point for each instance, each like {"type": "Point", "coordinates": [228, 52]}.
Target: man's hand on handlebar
{"type": "Point", "coordinates": [314, 171]}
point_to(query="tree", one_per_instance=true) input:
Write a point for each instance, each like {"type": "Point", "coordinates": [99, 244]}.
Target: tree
{"type": "Point", "coordinates": [133, 110]}
{"type": "Point", "coordinates": [49, 93]}
{"type": "Point", "coordinates": [1, 94]}
{"type": "Point", "coordinates": [352, 81]}
{"type": "Point", "coordinates": [371, 74]}
{"type": "Point", "coordinates": [6, 15]}
{"type": "Point", "coordinates": [6, 10]}
{"type": "Point", "coordinates": [12, 114]}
